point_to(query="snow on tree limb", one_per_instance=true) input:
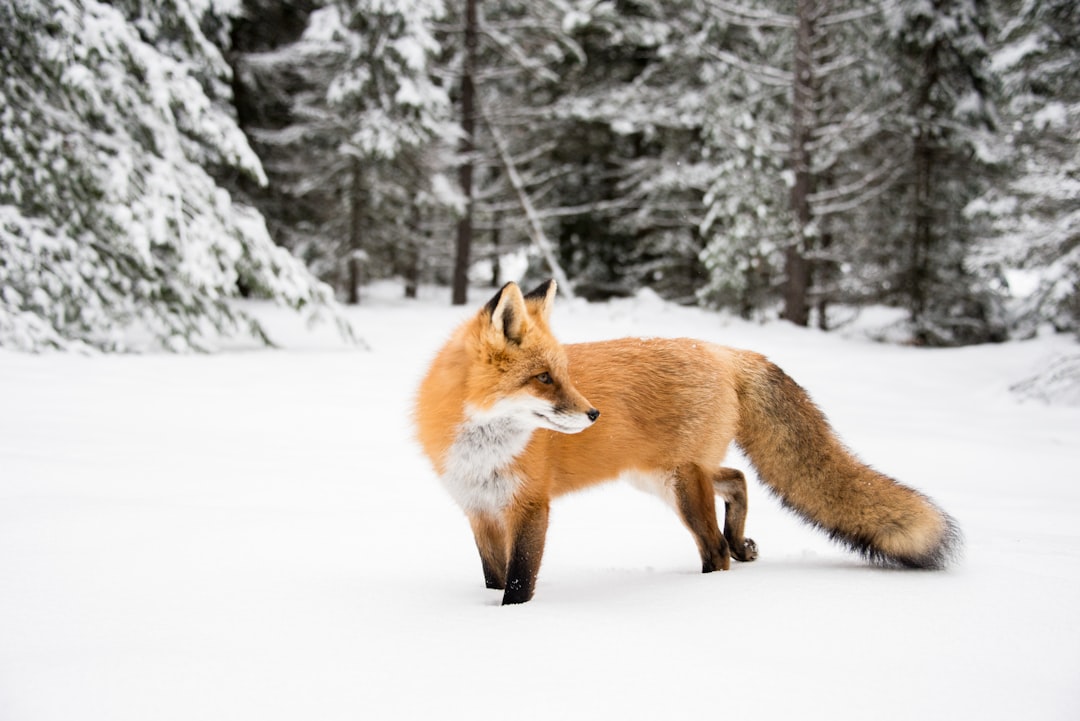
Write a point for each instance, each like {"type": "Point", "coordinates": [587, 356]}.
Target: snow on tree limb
{"type": "Point", "coordinates": [112, 223]}
{"type": "Point", "coordinates": [535, 224]}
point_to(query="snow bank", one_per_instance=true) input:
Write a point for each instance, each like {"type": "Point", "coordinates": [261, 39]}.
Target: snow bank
{"type": "Point", "coordinates": [254, 535]}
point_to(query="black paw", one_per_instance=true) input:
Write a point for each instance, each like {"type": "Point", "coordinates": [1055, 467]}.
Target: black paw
{"type": "Point", "coordinates": [749, 551]}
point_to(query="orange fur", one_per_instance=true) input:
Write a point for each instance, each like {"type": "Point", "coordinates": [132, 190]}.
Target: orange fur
{"type": "Point", "coordinates": [508, 417]}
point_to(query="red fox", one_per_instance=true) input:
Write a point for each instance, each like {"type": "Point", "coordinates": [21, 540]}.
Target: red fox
{"type": "Point", "coordinates": [510, 419]}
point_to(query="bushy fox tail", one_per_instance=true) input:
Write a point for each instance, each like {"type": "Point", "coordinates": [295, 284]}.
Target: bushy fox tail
{"type": "Point", "coordinates": [798, 456]}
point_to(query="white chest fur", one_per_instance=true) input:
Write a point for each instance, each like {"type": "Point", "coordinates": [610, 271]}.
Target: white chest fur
{"type": "Point", "coordinates": [478, 474]}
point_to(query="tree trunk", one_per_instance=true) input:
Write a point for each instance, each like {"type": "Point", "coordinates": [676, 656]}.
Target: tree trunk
{"type": "Point", "coordinates": [468, 146]}
{"type": "Point", "coordinates": [356, 224]}
{"type": "Point", "coordinates": [411, 270]}
{"type": "Point", "coordinates": [496, 251]}
{"type": "Point", "coordinates": [536, 225]}
{"type": "Point", "coordinates": [921, 233]}
{"type": "Point", "coordinates": [823, 276]}
{"type": "Point", "coordinates": [917, 277]}
{"type": "Point", "coordinates": [796, 266]}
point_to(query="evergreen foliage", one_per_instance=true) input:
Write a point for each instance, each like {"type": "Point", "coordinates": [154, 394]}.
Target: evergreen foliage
{"type": "Point", "coordinates": [1031, 216]}
{"type": "Point", "coordinates": [352, 125]}
{"type": "Point", "coordinates": [950, 89]}
{"type": "Point", "coordinates": [111, 121]}
{"type": "Point", "coordinates": [768, 157]}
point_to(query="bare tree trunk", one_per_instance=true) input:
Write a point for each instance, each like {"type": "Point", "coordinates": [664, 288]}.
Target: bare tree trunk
{"type": "Point", "coordinates": [922, 213]}
{"type": "Point", "coordinates": [411, 269]}
{"type": "Point", "coordinates": [356, 224]}
{"type": "Point", "coordinates": [921, 232]}
{"type": "Point", "coordinates": [536, 225]}
{"type": "Point", "coordinates": [496, 258]}
{"type": "Point", "coordinates": [796, 265]}
{"type": "Point", "coordinates": [822, 276]}
{"type": "Point", "coordinates": [468, 146]}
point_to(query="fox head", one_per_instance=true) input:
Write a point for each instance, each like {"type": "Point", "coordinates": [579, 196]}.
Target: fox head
{"type": "Point", "coordinates": [521, 373]}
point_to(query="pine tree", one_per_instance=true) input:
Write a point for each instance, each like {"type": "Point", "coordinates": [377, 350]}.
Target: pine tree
{"type": "Point", "coordinates": [748, 217]}
{"type": "Point", "coordinates": [504, 61]}
{"type": "Point", "coordinates": [284, 59]}
{"type": "Point", "coordinates": [467, 148]}
{"type": "Point", "coordinates": [628, 122]}
{"type": "Point", "coordinates": [114, 122]}
{"type": "Point", "coordinates": [1034, 216]}
{"type": "Point", "coordinates": [803, 153]}
{"type": "Point", "coordinates": [945, 71]}
{"type": "Point", "coordinates": [350, 122]}
{"type": "Point", "coordinates": [397, 114]}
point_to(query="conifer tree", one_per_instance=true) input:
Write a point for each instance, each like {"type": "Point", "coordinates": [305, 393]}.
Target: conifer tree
{"type": "Point", "coordinates": [351, 123]}
{"type": "Point", "coordinates": [1032, 214]}
{"type": "Point", "coordinates": [944, 68]}
{"type": "Point", "coordinates": [803, 150]}
{"type": "Point", "coordinates": [115, 122]}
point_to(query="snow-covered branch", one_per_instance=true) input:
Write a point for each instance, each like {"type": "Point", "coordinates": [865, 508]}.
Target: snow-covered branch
{"type": "Point", "coordinates": [765, 74]}
{"type": "Point", "coordinates": [751, 17]}
{"type": "Point", "coordinates": [536, 226]}
{"type": "Point", "coordinates": [852, 195]}
{"type": "Point", "coordinates": [849, 16]}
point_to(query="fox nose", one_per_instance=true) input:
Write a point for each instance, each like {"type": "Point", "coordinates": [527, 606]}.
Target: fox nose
{"type": "Point", "coordinates": [593, 414]}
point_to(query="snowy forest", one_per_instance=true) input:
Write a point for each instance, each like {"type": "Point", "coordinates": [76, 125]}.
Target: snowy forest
{"type": "Point", "coordinates": [799, 159]}
{"type": "Point", "coordinates": [213, 508]}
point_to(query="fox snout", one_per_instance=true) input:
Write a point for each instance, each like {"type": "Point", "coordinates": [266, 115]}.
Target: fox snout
{"type": "Point", "coordinates": [568, 420]}
{"type": "Point", "coordinates": [592, 414]}
{"type": "Point", "coordinates": [575, 413]}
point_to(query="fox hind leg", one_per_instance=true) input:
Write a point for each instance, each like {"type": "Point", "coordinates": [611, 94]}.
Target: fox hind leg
{"type": "Point", "coordinates": [730, 485]}
{"type": "Point", "coordinates": [696, 503]}
{"type": "Point", "coordinates": [511, 547]}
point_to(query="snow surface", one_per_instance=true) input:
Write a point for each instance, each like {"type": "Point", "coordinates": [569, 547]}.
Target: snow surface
{"type": "Point", "coordinates": [255, 535]}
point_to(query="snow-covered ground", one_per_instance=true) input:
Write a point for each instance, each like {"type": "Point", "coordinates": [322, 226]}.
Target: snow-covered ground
{"type": "Point", "coordinates": [255, 535]}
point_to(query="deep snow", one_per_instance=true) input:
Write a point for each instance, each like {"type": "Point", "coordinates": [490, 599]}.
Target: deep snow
{"type": "Point", "coordinates": [254, 535]}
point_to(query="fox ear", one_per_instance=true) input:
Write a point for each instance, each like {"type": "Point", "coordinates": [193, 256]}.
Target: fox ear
{"type": "Point", "coordinates": [543, 297]}
{"type": "Point", "coordinates": [508, 313]}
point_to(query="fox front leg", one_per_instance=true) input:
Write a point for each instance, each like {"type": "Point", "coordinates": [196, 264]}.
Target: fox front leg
{"type": "Point", "coordinates": [491, 542]}
{"type": "Point", "coordinates": [529, 530]}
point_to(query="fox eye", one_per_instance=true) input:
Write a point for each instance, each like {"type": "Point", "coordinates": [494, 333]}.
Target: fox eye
{"type": "Point", "coordinates": [545, 378]}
